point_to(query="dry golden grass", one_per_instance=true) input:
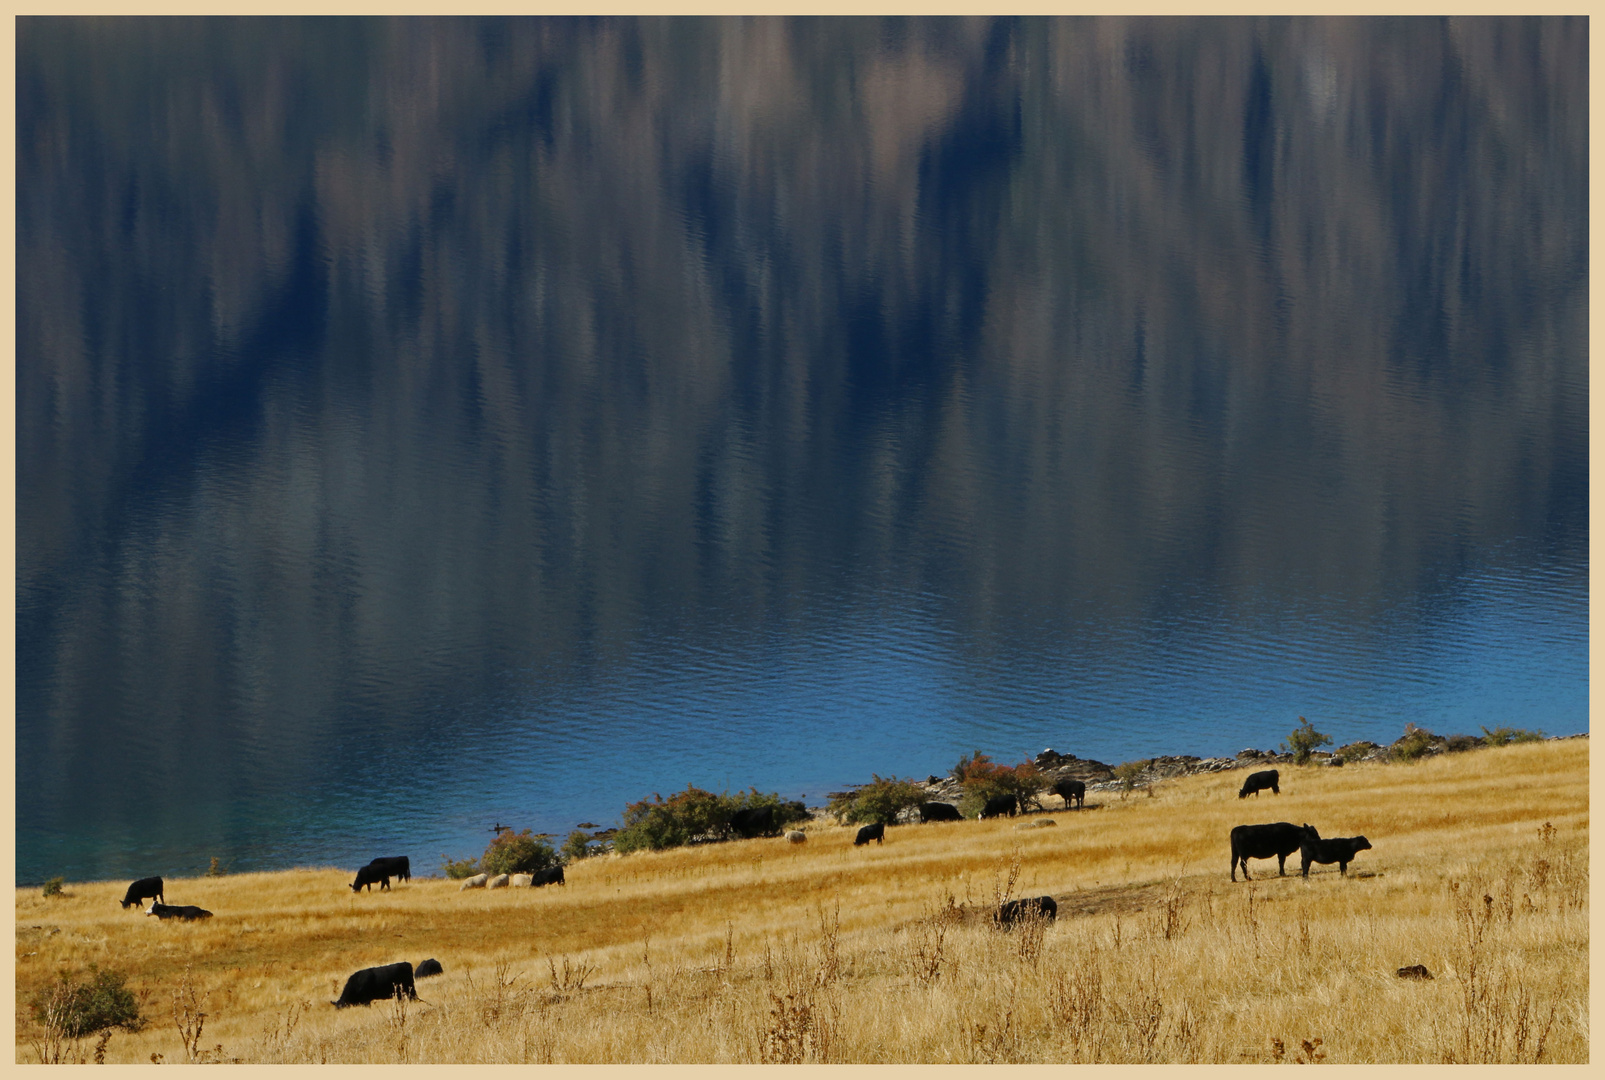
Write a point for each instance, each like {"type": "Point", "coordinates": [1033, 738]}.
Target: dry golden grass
{"type": "Point", "coordinates": [767, 951]}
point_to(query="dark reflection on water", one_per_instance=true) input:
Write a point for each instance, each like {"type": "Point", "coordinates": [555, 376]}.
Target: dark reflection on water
{"type": "Point", "coordinates": [422, 423]}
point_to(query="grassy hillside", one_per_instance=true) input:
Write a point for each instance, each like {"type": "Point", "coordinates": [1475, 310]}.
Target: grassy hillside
{"type": "Point", "coordinates": [767, 951]}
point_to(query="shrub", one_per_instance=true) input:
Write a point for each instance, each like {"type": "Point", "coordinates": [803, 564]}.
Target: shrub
{"type": "Point", "coordinates": [517, 853]}
{"type": "Point", "coordinates": [880, 801]}
{"type": "Point", "coordinates": [463, 868]}
{"type": "Point", "coordinates": [1356, 750]}
{"type": "Point", "coordinates": [1504, 736]}
{"type": "Point", "coordinates": [76, 1009]}
{"type": "Point", "coordinates": [1127, 774]}
{"type": "Point", "coordinates": [694, 815]}
{"type": "Point", "coordinates": [1413, 744]}
{"type": "Point", "coordinates": [53, 886]}
{"type": "Point", "coordinates": [578, 846]}
{"type": "Point", "coordinates": [1303, 741]}
{"type": "Point", "coordinates": [1458, 743]}
{"type": "Point", "coordinates": [983, 779]}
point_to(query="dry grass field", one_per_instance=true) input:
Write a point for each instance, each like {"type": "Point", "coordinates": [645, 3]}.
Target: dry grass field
{"type": "Point", "coordinates": [764, 951]}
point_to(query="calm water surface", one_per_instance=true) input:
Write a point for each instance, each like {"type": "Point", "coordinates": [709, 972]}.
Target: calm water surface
{"type": "Point", "coordinates": [423, 424]}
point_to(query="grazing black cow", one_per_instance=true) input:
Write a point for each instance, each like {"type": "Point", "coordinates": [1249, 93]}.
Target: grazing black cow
{"type": "Point", "coordinates": [370, 876]}
{"type": "Point", "coordinates": [999, 805]}
{"type": "Point", "coordinates": [1013, 911]}
{"type": "Point", "coordinates": [875, 832]}
{"type": "Point", "coordinates": [1071, 791]}
{"type": "Point", "coordinates": [1263, 842]}
{"type": "Point", "coordinates": [377, 984]}
{"type": "Point", "coordinates": [187, 912]}
{"type": "Point", "coordinates": [146, 888]}
{"type": "Point", "coordinates": [1258, 782]}
{"type": "Point", "coordinates": [939, 811]}
{"type": "Point", "coordinates": [754, 821]}
{"type": "Point", "coordinates": [396, 866]}
{"type": "Point", "coordinates": [552, 875]}
{"type": "Point", "coordinates": [427, 968]}
{"type": "Point", "coordinates": [1340, 850]}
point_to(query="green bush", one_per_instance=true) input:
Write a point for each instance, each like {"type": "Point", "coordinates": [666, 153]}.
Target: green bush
{"type": "Point", "coordinates": [517, 853]}
{"type": "Point", "coordinates": [578, 846]}
{"type": "Point", "coordinates": [1413, 744]}
{"type": "Point", "coordinates": [1459, 743]}
{"type": "Point", "coordinates": [1356, 750]}
{"type": "Point", "coordinates": [53, 886]}
{"type": "Point", "coordinates": [78, 1008]}
{"type": "Point", "coordinates": [1504, 736]}
{"type": "Point", "coordinates": [1303, 741]}
{"type": "Point", "coordinates": [694, 815]}
{"type": "Point", "coordinates": [462, 868]}
{"type": "Point", "coordinates": [880, 801]}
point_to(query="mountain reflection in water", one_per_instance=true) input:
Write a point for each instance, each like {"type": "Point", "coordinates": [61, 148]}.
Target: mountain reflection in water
{"type": "Point", "coordinates": [429, 422]}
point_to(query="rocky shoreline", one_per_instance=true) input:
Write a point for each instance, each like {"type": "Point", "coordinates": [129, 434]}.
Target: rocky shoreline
{"type": "Point", "coordinates": [1100, 777]}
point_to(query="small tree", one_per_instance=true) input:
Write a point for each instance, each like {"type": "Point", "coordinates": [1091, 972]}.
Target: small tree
{"type": "Point", "coordinates": [517, 853]}
{"type": "Point", "coordinates": [578, 846]}
{"type": "Point", "coordinates": [1127, 774]}
{"type": "Point", "coordinates": [880, 801]}
{"type": "Point", "coordinates": [53, 886]}
{"type": "Point", "coordinates": [459, 869]}
{"type": "Point", "coordinates": [1303, 741]}
{"type": "Point", "coordinates": [984, 779]}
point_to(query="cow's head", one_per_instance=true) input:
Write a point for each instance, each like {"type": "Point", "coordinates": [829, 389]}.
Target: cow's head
{"type": "Point", "coordinates": [152, 909]}
{"type": "Point", "coordinates": [1361, 844]}
{"type": "Point", "coordinates": [1309, 832]}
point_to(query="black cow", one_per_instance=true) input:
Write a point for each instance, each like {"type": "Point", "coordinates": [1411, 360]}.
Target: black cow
{"type": "Point", "coordinates": [370, 876]}
{"type": "Point", "coordinates": [427, 968]}
{"type": "Point", "coordinates": [377, 984]}
{"type": "Point", "coordinates": [146, 888]}
{"type": "Point", "coordinates": [1071, 791]}
{"type": "Point", "coordinates": [187, 912]}
{"type": "Point", "coordinates": [1258, 782]}
{"type": "Point", "coordinates": [1340, 850]}
{"type": "Point", "coordinates": [397, 866]}
{"type": "Point", "coordinates": [1263, 842]}
{"type": "Point", "coordinates": [1013, 911]}
{"type": "Point", "coordinates": [875, 832]}
{"type": "Point", "coordinates": [552, 875]}
{"type": "Point", "coordinates": [939, 811]}
{"type": "Point", "coordinates": [754, 821]}
{"type": "Point", "coordinates": [999, 805]}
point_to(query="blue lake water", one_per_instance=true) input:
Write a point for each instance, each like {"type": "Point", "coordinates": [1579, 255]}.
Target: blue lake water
{"type": "Point", "coordinates": [429, 423]}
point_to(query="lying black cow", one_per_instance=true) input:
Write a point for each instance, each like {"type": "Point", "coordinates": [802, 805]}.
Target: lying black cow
{"type": "Point", "coordinates": [146, 888]}
{"type": "Point", "coordinates": [1263, 842]}
{"type": "Point", "coordinates": [396, 866]}
{"type": "Point", "coordinates": [552, 875]}
{"type": "Point", "coordinates": [1258, 782]}
{"type": "Point", "coordinates": [1013, 911]}
{"type": "Point", "coordinates": [370, 876]}
{"type": "Point", "coordinates": [188, 912]}
{"type": "Point", "coordinates": [427, 968]}
{"type": "Point", "coordinates": [1340, 850]}
{"type": "Point", "coordinates": [377, 984]}
{"type": "Point", "coordinates": [999, 805]}
{"type": "Point", "coordinates": [1071, 791]}
{"type": "Point", "coordinates": [939, 811]}
{"type": "Point", "coordinates": [875, 832]}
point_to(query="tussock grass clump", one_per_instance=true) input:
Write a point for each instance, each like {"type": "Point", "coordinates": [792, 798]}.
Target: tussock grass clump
{"type": "Point", "coordinates": [764, 951]}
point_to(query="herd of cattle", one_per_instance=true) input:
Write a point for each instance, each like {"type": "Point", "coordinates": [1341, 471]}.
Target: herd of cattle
{"type": "Point", "coordinates": [1274, 841]}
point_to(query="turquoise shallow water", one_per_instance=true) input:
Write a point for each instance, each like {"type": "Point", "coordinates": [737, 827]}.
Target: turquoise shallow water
{"type": "Point", "coordinates": [636, 403]}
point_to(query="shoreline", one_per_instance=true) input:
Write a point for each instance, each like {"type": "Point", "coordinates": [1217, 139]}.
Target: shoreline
{"type": "Point", "coordinates": [1097, 775]}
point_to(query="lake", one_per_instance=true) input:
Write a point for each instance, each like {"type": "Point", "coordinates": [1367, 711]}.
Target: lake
{"type": "Point", "coordinates": [425, 424]}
